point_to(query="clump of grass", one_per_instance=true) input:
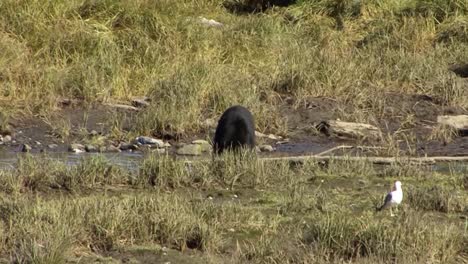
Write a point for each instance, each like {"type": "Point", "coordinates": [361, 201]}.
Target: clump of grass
{"type": "Point", "coordinates": [443, 133]}
{"type": "Point", "coordinates": [405, 169]}
{"type": "Point", "coordinates": [165, 172]}
{"type": "Point", "coordinates": [47, 229]}
{"type": "Point", "coordinates": [352, 238]}
{"type": "Point", "coordinates": [93, 172]}
{"type": "Point", "coordinates": [40, 174]}
{"type": "Point", "coordinates": [455, 30]}
{"type": "Point", "coordinates": [437, 198]}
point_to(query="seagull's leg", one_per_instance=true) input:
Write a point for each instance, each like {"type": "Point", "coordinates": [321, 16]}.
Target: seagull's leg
{"type": "Point", "coordinates": [391, 211]}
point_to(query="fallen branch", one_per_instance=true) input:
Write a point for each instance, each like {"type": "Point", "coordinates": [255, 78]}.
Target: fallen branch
{"type": "Point", "coordinates": [343, 147]}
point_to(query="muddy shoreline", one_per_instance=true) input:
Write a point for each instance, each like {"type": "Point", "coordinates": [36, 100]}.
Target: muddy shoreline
{"type": "Point", "coordinates": [77, 122]}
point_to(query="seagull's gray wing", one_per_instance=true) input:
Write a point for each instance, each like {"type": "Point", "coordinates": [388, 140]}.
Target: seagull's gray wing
{"type": "Point", "coordinates": [386, 203]}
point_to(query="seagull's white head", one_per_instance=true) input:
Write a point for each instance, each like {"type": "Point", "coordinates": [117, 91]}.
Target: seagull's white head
{"type": "Point", "coordinates": [397, 185]}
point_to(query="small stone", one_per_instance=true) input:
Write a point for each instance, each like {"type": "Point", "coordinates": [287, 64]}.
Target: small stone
{"type": "Point", "coordinates": [93, 133]}
{"type": "Point", "coordinates": [77, 148]}
{"type": "Point", "coordinates": [190, 149]}
{"type": "Point", "coordinates": [91, 148]}
{"type": "Point", "coordinates": [52, 146]}
{"type": "Point", "coordinates": [38, 143]}
{"type": "Point", "coordinates": [140, 102]}
{"type": "Point", "coordinates": [150, 141]}
{"type": "Point", "coordinates": [26, 148]}
{"type": "Point", "coordinates": [7, 138]}
{"type": "Point", "coordinates": [266, 148]}
{"type": "Point", "coordinates": [127, 146]}
{"type": "Point", "coordinates": [112, 148]}
{"type": "Point", "coordinates": [231, 230]}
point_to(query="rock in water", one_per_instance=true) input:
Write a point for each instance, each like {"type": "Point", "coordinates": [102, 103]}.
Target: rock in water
{"type": "Point", "coordinates": [127, 146]}
{"type": "Point", "coordinates": [77, 148]}
{"type": "Point", "coordinates": [150, 141]}
{"type": "Point", "coordinates": [91, 148]}
{"type": "Point", "coordinates": [266, 148]}
{"type": "Point", "coordinates": [236, 128]}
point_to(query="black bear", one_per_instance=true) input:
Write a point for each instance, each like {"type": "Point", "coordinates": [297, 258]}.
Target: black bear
{"type": "Point", "coordinates": [236, 128]}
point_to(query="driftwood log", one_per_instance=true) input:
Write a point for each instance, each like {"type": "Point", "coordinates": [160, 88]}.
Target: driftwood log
{"type": "Point", "coordinates": [348, 129]}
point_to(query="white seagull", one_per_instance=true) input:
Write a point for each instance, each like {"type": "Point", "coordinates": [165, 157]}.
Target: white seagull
{"type": "Point", "coordinates": [393, 198]}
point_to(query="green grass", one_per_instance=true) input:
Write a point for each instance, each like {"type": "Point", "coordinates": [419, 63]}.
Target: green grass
{"type": "Point", "coordinates": [282, 213]}
{"type": "Point", "coordinates": [101, 51]}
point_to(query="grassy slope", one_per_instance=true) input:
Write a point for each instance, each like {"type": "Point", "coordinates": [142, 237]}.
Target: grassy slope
{"type": "Point", "coordinates": [113, 50]}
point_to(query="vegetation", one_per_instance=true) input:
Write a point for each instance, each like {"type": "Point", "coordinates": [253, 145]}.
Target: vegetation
{"type": "Point", "coordinates": [352, 51]}
{"type": "Point", "coordinates": [226, 211]}
{"type": "Point", "coordinates": [230, 212]}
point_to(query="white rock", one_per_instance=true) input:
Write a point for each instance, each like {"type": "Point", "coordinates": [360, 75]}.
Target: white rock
{"type": "Point", "coordinates": [266, 148]}
{"type": "Point", "coordinates": [210, 22]}
{"type": "Point", "coordinates": [150, 141]}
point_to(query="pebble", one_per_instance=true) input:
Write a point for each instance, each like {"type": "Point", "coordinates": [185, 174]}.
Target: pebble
{"type": "Point", "coordinates": [26, 148]}
{"type": "Point", "coordinates": [77, 148]}
{"type": "Point", "coordinates": [7, 138]}
{"type": "Point", "coordinates": [91, 148]}
{"type": "Point", "coordinates": [93, 133]}
{"type": "Point", "coordinates": [127, 146]}
{"type": "Point", "coordinates": [112, 148]}
{"type": "Point", "coordinates": [140, 102]}
{"type": "Point", "coordinates": [52, 146]}
{"type": "Point", "coordinates": [266, 148]}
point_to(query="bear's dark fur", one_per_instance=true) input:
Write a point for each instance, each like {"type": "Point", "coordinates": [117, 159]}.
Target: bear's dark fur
{"type": "Point", "coordinates": [236, 128]}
